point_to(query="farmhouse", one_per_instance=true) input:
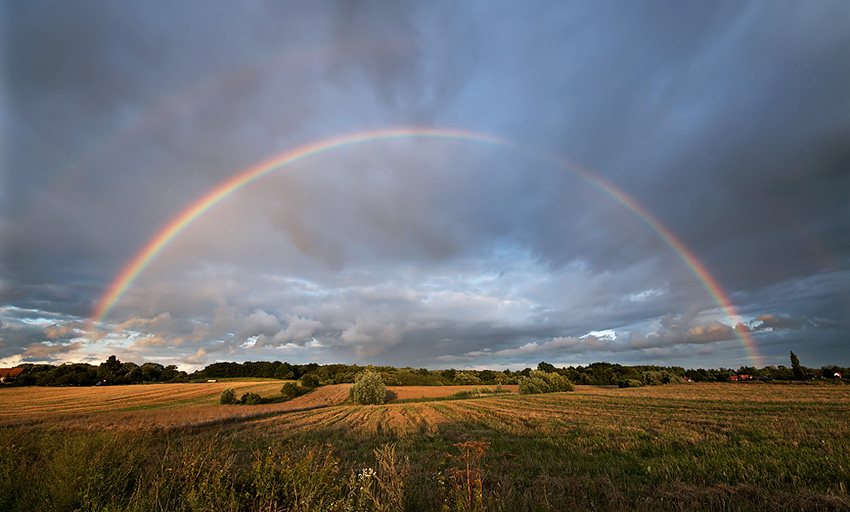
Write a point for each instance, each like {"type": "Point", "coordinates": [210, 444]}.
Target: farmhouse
{"type": "Point", "coordinates": [739, 378]}
{"type": "Point", "coordinates": [7, 374]}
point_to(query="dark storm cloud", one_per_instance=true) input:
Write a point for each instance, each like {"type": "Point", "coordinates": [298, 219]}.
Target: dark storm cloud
{"type": "Point", "coordinates": [728, 122]}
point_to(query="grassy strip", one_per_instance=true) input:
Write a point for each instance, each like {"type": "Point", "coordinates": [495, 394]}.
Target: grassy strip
{"type": "Point", "coordinates": [454, 396]}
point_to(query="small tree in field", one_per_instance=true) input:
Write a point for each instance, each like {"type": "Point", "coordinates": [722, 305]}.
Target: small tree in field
{"type": "Point", "coordinates": [289, 390]}
{"type": "Point", "coordinates": [310, 381]}
{"type": "Point", "coordinates": [795, 366]}
{"type": "Point", "coordinates": [228, 397]}
{"type": "Point", "coordinates": [368, 388]}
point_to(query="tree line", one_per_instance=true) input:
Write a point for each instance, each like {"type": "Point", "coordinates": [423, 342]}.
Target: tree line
{"type": "Point", "coordinates": [112, 371]}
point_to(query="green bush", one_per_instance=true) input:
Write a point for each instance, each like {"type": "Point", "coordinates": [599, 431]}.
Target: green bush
{"type": "Point", "coordinates": [544, 382]}
{"type": "Point", "coordinates": [368, 388]}
{"type": "Point", "coordinates": [228, 397]}
{"type": "Point", "coordinates": [251, 399]}
{"type": "Point", "coordinates": [463, 393]}
{"type": "Point", "coordinates": [657, 378]}
{"type": "Point", "coordinates": [629, 383]}
{"type": "Point", "coordinates": [290, 390]}
{"type": "Point", "coordinates": [310, 381]}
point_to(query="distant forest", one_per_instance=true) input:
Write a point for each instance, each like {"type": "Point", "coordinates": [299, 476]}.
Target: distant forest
{"type": "Point", "coordinates": [112, 371]}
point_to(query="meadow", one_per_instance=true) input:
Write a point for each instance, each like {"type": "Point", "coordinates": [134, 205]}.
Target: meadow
{"type": "Point", "coordinates": [717, 446]}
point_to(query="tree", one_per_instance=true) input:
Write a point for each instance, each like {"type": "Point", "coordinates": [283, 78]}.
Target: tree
{"type": "Point", "coordinates": [110, 369]}
{"type": "Point", "coordinates": [310, 380]}
{"type": "Point", "coordinates": [368, 388]}
{"type": "Point", "coordinates": [543, 366]}
{"type": "Point", "coordinates": [151, 371]}
{"type": "Point", "coordinates": [796, 368]}
{"type": "Point", "coordinates": [289, 390]}
{"type": "Point", "coordinates": [544, 382]}
{"type": "Point", "coordinates": [228, 397]}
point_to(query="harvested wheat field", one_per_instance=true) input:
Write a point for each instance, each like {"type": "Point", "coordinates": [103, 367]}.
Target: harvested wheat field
{"type": "Point", "coordinates": [689, 446]}
{"type": "Point", "coordinates": [37, 401]}
{"type": "Point", "coordinates": [414, 392]}
{"type": "Point", "coordinates": [695, 412]}
{"type": "Point", "coordinates": [676, 447]}
{"type": "Point", "coordinates": [151, 407]}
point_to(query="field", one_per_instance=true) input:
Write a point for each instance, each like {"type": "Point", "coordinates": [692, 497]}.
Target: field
{"type": "Point", "coordinates": [677, 447]}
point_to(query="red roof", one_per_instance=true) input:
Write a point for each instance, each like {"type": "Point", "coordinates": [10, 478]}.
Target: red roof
{"type": "Point", "coordinates": [10, 373]}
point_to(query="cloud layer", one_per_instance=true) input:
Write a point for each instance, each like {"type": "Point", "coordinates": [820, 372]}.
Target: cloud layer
{"type": "Point", "coordinates": [729, 123]}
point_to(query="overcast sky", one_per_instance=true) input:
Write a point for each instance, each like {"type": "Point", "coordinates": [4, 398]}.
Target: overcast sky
{"type": "Point", "coordinates": [727, 122]}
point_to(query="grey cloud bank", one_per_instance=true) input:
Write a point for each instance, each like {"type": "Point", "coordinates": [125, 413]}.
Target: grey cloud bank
{"type": "Point", "coordinates": [728, 122]}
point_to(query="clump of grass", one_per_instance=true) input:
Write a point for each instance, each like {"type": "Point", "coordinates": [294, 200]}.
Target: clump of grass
{"type": "Point", "coordinates": [381, 489]}
{"type": "Point", "coordinates": [286, 478]}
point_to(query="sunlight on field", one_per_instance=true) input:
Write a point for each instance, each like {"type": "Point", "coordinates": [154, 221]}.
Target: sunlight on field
{"type": "Point", "coordinates": [26, 401]}
{"type": "Point", "coordinates": [678, 447]}
{"type": "Point", "coordinates": [150, 407]}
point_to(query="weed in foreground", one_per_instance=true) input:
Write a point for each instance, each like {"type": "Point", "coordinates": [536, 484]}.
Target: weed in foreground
{"type": "Point", "coordinates": [284, 478]}
{"type": "Point", "coordinates": [381, 490]}
{"type": "Point", "coordinates": [466, 491]}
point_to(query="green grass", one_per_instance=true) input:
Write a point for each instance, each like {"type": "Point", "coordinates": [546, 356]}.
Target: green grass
{"type": "Point", "coordinates": [459, 395]}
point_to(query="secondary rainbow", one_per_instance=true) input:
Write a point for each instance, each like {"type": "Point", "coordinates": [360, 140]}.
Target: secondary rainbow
{"type": "Point", "coordinates": [142, 259]}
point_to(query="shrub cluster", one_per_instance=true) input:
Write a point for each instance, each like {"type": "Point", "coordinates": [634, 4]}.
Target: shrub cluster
{"type": "Point", "coordinates": [659, 377]}
{"type": "Point", "coordinates": [368, 388]}
{"type": "Point", "coordinates": [629, 383]}
{"type": "Point", "coordinates": [251, 399]}
{"type": "Point", "coordinates": [476, 392]}
{"type": "Point", "coordinates": [544, 382]}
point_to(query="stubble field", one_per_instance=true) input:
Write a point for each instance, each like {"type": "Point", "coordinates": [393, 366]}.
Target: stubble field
{"type": "Point", "coordinates": [676, 447]}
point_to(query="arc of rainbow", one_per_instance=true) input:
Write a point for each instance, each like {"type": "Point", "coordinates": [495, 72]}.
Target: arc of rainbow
{"type": "Point", "coordinates": [185, 218]}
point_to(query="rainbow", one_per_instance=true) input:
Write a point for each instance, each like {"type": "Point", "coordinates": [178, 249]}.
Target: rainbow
{"type": "Point", "coordinates": [185, 218]}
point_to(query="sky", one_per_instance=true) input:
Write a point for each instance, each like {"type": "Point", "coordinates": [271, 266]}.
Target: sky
{"type": "Point", "coordinates": [570, 182]}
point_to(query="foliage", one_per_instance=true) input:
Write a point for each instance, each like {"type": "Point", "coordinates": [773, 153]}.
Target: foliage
{"type": "Point", "coordinates": [251, 399]}
{"type": "Point", "coordinates": [288, 478]}
{"type": "Point", "coordinates": [228, 397]}
{"type": "Point", "coordinates": [368, 388]}
{"type": "Point", "coordinates": [289, 390]}
{"type": "Point", "coordinates": [476, 392]}
{"type": "Point", "coordinates": [657, 378]}
{"type": "Point", "coordinates": [382, 489]}
{"type": "Point", "coordinates": [544, 382]}
{"type": "Point", "coordinates": [796, 368]}
{"type": "Point", "coordinates": [629, 383]}
{"type": "Point", "coordinates": [310, 381]}
{"type": "Point", "coordinates": [112, 371]}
